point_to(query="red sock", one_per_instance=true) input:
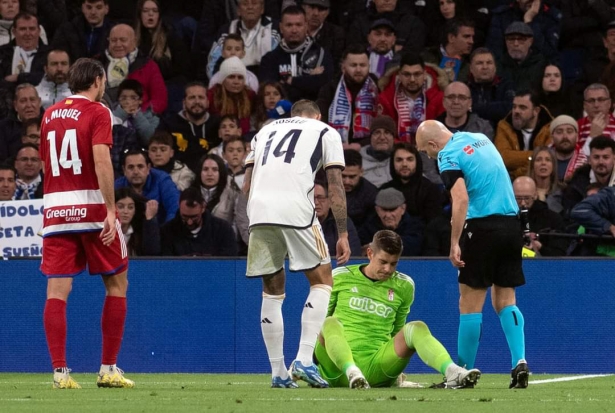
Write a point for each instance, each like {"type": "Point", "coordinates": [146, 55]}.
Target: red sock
{"type": "Point", "coordinates": [54, 319]}
{"type": "Point", "coordinates": [112, 323]}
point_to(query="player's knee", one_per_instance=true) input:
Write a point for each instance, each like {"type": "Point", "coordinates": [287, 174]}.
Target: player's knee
{"type": "Point", "coordinates": [332, 321]}
{"type": "Point", "coordinates": [417, 328]}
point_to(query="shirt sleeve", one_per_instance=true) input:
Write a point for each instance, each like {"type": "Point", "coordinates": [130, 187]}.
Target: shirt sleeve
{"type": "Point", "coordinates": [333, 151]}
{"type": "Point", "coordinates": [102, 124]}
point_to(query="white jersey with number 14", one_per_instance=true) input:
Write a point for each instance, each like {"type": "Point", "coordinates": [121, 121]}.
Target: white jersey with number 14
{"type": "Point", "coordinates": [286, 154]}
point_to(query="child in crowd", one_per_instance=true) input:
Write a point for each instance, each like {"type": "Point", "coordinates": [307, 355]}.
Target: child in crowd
{"type": "Point", "coordinates": [233, 46]}
{"type": "Point", "coordinates": [270, 103]}
{"type": "Point", "coordinates": [234, 154]}
{"type": "Point", "coordinates": [128, 110]}
{"type": "Point", "coordinates": [160, 151]}
{"type": "Point", "coordinates": [229, 128]}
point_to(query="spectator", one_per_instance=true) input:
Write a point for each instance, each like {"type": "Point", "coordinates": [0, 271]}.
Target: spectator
{"type": "Point", "coordinates": [31, 131]}
{"type": "Point", "coordinates": [232, 97]}
{"type": "Point", "coordinates": [521, 64]}
{"type": "Point", "coordinates": [543, 170]}
{"type": "Point", "coordinates": [492, 95]}
{"type": "Point", "coordinates": [360, 193]}
{"type": "Point", "coordinates": [525, 128]}
{"type": "Point", "coordinates": [137, 217]}
{"type": "Point", "coordinates": [542, 19]}
{"type": "Point", "coordinates": [597, 214]}
{"type": "Point", "coordinates": [233, 45]}
{"type": "Point", "coordinates": [381, 46]}
{"type": "Point", "coordinates": [124, 139]}
{"type": "Point", "coordinates": [442, 12]}
{"type": "Point", "coordinates": [54, 85]}
{"type": "Point", "coordinates": [330, 36]}
{"type": "Point", "coordinates": [9, 9]}
{"type": "Point", "coordinates": [159, 41]}
{"type": "Point", "coordinates": [233, 153]}
{"type": "Point", "coordinates": [149, 182]}
{"type": "Point", "coordinates": [52, 13]}
{"type": "Point", "coordinates": [598, 122]}
{"type": "Point", "coordinates": [391, 214]}
{"type": "Point", "coordinates": [423, 198]}
{"type": "Point", "coordinates": [194, 231]}
{"type": "Point", "coordinates": [553, 95]}
{"type": "Point", "coordinates": [327, 222]}
{"type": "Point", "coordinates": [228, 128]}
{"type": "Point", "coordinates": [452, 54]}
{"type": "Point", "coordinates": [300, 64]}
{"type": "Point", "coordinates": [410, 30]}
{"type": "Point", "coordinates": [123, 60]}
{"type": "Point", "coordinates": [377, 155]}
{"type": "Point", "coordinates": [408, 99]}
{"type": "Point", "coordinates": [128, 110]}
{"type": "Point", "coordinates": [270, 103]}
{"type": "Point", "coordinates": [27, 105]}
{"type": "Point", "coordinates": [595, 68]}
{"type": "Point", "coordinates": [29, 173]}
{"type": "Point", "coordinates": [7, 182]}
{"type": "Point", "coordinates": [458, 116]}
{"type": "Point", "coordinates": [259, 32]}
{"type": "Point", "coordinates": [599, 170]}
{"type": "Point", "coordinates": [540, 218]}
{"type": "Point", "coordinates": [87, 34]}
{"type": "Point", "coordinates": [349, 103]}
{"type": "Point", "coordinates": [564, 133]}
{"type": "Point", "coordinates": [161, 153]}
{"type": "Point", "coordinates": [23, 60]}
{"type": "Point", "coordinates": [194, 129]}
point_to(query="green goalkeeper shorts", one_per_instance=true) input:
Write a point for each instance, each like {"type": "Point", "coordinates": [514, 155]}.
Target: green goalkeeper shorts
{"type": "Point", "coordinates": [380, 368]}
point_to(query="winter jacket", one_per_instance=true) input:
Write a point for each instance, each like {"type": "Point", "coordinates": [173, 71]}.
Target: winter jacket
{"type": "Point", "coordinates": [541, 218]}
{"type": "Point", "coordinates": [144, 123]}
{"type": "Point", "coordinates": [176, 68]}
{"type": "Point", "coordinates": [124, 139]}
{"type": "Point", "coordinates": [434, 56]}
{"type": "Point", "coordinates": [410, 229]}
{"type": "Point", "coordinates": [332, 38]}
{"type": "Point", "coordinates": [51, 93]}
{"type": "Point", "coordinates": [80, 39]}
{"type": "Point", "coordinates": [526, 73]}
{"type": "Point", "coordinates": [10, 136]}
{"type": "Point", "coordinates": [509, 142]}
{"type": "Point", "coordinates": [6, 34]}
{"type": "Point", "coordinates": [375, 169]}
{"type": "Point", "coordinates": [491, 101]}
{"type": "Point", "coordinates": [575, 190]}
{"type": "Point", "coordinates": [329, 229]}
{"type": "Point", "coordinates": [37, 69]}
{"type": "Point", "coordinates": [597, 212]}
{"type": "Point", "coordinates": [215, 238]}
{"type": "Point", "coordinates": [474, 124]}
{"type": "Point", "coordinates": [181, 175]}
{"type": "Point", "coordinates": [360, 201]}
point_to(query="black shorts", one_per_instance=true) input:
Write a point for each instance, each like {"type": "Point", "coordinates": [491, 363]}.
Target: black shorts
{"type": "Point", "coordinates": [491, 249]}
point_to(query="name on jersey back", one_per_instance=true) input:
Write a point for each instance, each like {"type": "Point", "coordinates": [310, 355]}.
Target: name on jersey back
{"type": "Point", "coordinates": [64, 114]}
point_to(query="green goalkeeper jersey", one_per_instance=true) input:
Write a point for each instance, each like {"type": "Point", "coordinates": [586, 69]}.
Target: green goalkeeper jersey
{"type": "Point", "coordinates": [371, 311]}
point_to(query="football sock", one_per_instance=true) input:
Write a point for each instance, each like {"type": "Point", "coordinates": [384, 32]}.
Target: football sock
{"type": "Point", "coordinates": [336, 345]}
{"type": "Point", "coordinates": [468, 338]}
{"type": "Point", "coordinates": [112, 323]}
{"type": "Point", "coordinates": [54, 319]}
{"type": "Point", "coordinates": [314, 313]}
{"type": "Point", "coordinates": [418, 337]}
{"type": "Point", "coordinates": [106, 368]}
{"type": "Point", "coordinates": [272, 328]}
{"type": "Point", "coordinates": [512, 323]}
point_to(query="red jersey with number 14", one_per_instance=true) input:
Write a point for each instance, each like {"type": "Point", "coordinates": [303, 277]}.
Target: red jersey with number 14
{"type": "Point", "coordinates": [72, 198]}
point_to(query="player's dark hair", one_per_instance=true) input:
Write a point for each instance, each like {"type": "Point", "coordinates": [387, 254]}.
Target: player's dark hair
{"type": "Point", "coordinates": [292, 11]}
{"type": "Point", "coordinates": [353, 157]}
{"type": "Point", "coordinates": [161, 137]}
{"type": "Point", "coordinates": [234, 36]}
{"type": "Point", "coordinates": [135, 151]}
{"type": "Point", "coordinates": [305, 107]}
{"type": "Point", "coordinates": [355, 48]}
{"type": "Point", "coordinates": [136, 240]}
{"type": "Point", "coordinates": [130, 84]}
{"type": "Point", "coordinates": [534, 98]}
{"type": "Point", "coordinates": [387, 241]}
{"type": "Point", "coordinates": [192, 196]}
{"type": "Point", "coordinates": [480, 50]}
{"type": "Point", "coordinates": [83, 73]}
{"type": "Point", "coordinates": [222, 182]}
{"type": "Point", "coordinates": [231, 140]}
{"type": "Point", "coordinates": [28, 123]}
{"type": "Point", "coordinates": [602, 142]}
{"type": "Point", "coordinates": [411, 59]}
{"type": "Point", "coordinates": [23, 15]}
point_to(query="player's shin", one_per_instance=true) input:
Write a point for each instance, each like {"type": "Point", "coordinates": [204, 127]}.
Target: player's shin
{"type": "Point", "coordinates": [54, 319]}
{"type": "Point", "coordinates": [336, 345]}
{"type": "Point", "coordinates": [312, 318]}
{"type": "Point", "coordinates": [430, 350]}
{"type": "Point", "coordinates": [468, 338]}
{"type": "Point", "coordinates": [112, 324]}
{"type": "Point", "coordinates": [513, 323]}
{"type": "Point", "coordinates": [272, 328]}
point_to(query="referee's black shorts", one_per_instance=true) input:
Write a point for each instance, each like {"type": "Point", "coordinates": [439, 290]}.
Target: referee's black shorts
{"type": "Point", "coordinates": [491, 249]}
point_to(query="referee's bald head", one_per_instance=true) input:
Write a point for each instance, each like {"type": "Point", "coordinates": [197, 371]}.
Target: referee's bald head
{"type": "Point", "coordinates": [431, 136]}
{"type": "Point", "coordinates": [306, 109]}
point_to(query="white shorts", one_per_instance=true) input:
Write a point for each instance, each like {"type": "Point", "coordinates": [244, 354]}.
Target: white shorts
{"type": "Point", "coordinates": [268, 246]}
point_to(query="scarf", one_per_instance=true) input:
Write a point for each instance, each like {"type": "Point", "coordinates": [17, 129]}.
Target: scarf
{"type": "Point", "coordinates": [24, 190]}
{"type": "Point", "coordinates": [297, 69]}
{"type": "Point", "coordinates": [378, 62]}
{"type": "Point", "coordinates": [410, 114]}
{"type": "Point", "coordinates": [22, 60]}
{"type": "Point", "coordinates": [118, 67]}
{"type": "Point", "coordinates": [365, 107]}
{"type": "Point", "coordinates": [450, 64]}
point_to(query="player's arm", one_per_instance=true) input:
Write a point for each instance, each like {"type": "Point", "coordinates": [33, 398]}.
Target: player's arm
{"type": "Point", "coordinates": [247, 180]}
{"type": "Point", "coordinates": [460, 200]}
{"type": "Point", "coordinates": [104, 173]}
{"type": "Point", "coordinates": [337, 198]}
{"type": "Point", "coordinates": [402, 312]}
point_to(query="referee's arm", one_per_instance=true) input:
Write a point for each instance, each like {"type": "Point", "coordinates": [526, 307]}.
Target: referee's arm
{"type": "Point", "coordinates": [459, 195]}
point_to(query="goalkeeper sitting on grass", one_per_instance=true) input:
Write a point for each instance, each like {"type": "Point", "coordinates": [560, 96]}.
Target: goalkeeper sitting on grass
{"type": "Point", "coordinates": [365, 339]}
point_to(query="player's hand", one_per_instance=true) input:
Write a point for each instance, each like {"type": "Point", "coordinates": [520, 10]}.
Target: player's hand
{"type": "Point", "coordinates": [598, 125]}
{"type": "Point", "coordinates": [342, 250]}
{"type": "Point", "coordinates": [455, 257]}
{"type": "Point", "coordinates": [107, 235]}
{"type": "Point", "coordinates": [151, 209]}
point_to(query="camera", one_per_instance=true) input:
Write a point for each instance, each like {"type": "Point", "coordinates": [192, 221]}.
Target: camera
{"type": "Point", "coordinates": [525, 225]}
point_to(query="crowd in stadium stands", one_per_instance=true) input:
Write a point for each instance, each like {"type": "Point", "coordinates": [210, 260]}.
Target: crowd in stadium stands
{"type": "Point", "coordinates": [190, 82]}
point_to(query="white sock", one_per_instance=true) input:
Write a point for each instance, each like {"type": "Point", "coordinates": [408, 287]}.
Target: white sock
{"type": "Point", "coordinates": [106, 368]}
{"type": "Point", "coordinates": [314, 313]}
{"type": "Point", "coordinates": [272, 327]}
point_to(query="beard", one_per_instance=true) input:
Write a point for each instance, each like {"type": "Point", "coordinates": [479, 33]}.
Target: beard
{"type": "Point", "coordinates": [196, 112]}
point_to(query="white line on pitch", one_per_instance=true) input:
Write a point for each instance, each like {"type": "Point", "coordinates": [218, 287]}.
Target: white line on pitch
{"type": "Point", "coordinates": [559, 379]}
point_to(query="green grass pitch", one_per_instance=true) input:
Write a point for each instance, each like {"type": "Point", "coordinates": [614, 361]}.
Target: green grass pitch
{"type": "Point", "coordinates": [251, 393]}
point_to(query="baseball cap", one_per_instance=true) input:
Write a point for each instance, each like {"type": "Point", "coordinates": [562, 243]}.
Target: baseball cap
{"type": "Point", "coordinates": [563, 120]}
{"type": "Point", "coordinates": [322, 3]}
{"type": "Point", "coordinates": [519, 28]}
{"type": "Point", "coordinates": [390, 198]}
{"type": "Point", "coordinates": [382, 23]}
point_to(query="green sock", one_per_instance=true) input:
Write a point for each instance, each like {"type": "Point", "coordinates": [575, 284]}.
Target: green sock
{"type": "Point", "coordinates": [336, 345]}
{"type": "Point", "coordinates": [431, 351]}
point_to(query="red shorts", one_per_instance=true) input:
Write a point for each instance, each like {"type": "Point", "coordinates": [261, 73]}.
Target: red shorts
{"type": "Point", "coordinates": [66, 255]}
